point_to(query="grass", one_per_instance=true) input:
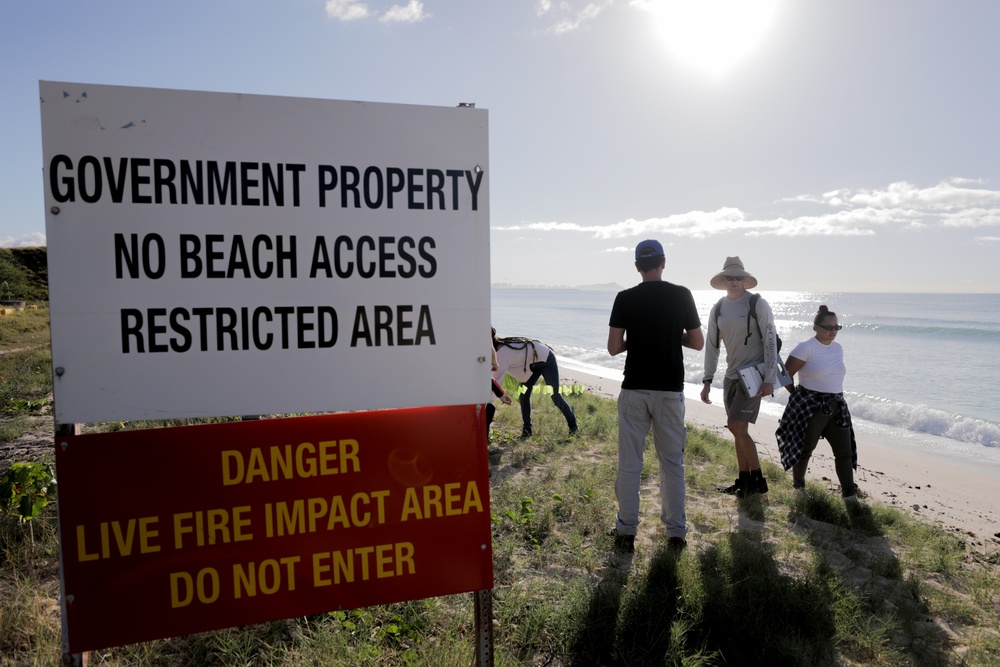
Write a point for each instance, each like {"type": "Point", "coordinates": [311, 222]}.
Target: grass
{"type": "Point", "coordinates": [781, 581]}
{"type": "Point", "coordinates": [25, 371]}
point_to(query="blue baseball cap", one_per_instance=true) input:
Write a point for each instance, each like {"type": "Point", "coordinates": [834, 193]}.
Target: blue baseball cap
{"type": "Point", "coordinates": [648, 248]}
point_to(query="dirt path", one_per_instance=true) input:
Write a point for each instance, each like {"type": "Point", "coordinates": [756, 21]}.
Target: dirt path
{"type": "Point", "coordinates": [37, 443]}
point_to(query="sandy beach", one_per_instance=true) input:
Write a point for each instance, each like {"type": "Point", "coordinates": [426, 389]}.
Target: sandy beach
{"type": "Point", "coordinates": [958, 493]}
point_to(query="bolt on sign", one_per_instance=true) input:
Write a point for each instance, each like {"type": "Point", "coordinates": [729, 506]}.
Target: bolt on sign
{"type": "Point", "coordinates": [221, 254]}
{"type": "Point", "coordinates": [291, 517]}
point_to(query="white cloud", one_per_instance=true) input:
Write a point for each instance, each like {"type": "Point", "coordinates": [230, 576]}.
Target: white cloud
{"type": "Point", "coordinates": [842, 223]}
{"type": "Point", "coordinates": [352, 10]}
{"type": "Point", "coordinates": [987, 239]}
{"type": "Point", "coordinates": [950, 194]}
{"type": "Point", "coordinates": [347, 10]}
{"type": "Point", "coordinates": [941, 197]}
{"type": "Point", "coordinates": [901, 206]}
{"type": "Point", "coordinates": [24, 241]}
{"type": "Point", "coordinates": [572, 19]}
{"type": "Point", "coordinates": [412, 12]}
{"type": "Point", "coordinates": [696, 224]}
{"type": "Point", "coordinates": [972, 218]}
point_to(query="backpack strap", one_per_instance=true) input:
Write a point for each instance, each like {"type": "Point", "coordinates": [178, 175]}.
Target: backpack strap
{"type": "Point", "coordinates": [752, 314]}
{"type": "Point", "coordinates": [714, 315]}
{"type": "Point", "coordinates": [522, 343]}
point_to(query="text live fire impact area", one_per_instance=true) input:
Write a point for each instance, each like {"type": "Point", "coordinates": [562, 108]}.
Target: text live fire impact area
{"type": "Point", "coordinates": [203, 244]}
{"type": "Point", "coordinates": [288, 517]}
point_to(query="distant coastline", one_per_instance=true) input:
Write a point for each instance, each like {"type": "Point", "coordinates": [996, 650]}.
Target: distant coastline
{"type": "Point", "coordinates": [615, 287]}
{"type": "Point", "coordinates": [602, 287]}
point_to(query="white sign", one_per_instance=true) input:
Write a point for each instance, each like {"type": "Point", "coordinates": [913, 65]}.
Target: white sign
{"type": "Point", "coordinates": [221, 254]}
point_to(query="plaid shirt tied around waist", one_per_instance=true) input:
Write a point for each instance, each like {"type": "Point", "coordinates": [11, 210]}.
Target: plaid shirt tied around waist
{"type": "Point", "coordinates": [802, 405]}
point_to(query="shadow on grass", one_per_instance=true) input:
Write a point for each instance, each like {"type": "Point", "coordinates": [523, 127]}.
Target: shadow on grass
{"type": "Point", "coordinates": [738, 608]}
{"type": "Point", "coordinates": [888, 615]}
{"type": "Point", "coordinates": [755, 614]}
{"type": "Point", "coordinates": [594, 641]}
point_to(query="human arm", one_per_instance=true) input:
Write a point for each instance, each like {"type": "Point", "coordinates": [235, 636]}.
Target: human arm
{"type": "Point", "coordinates": [711, 353]}
{"type": "Point", "coordinates": [616, 341]}
{"type": "Point", "coordinates": [498, 390]}
{"type": "Point", "coordinates": [769, 339]}
{"type": "Point", "coordinates": [693, 339]}
{"type": "Point", "coordinates": [792, 365]}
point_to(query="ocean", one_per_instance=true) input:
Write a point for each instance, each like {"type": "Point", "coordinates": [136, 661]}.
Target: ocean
{"type": "Point", "coordinates": [922, 367]}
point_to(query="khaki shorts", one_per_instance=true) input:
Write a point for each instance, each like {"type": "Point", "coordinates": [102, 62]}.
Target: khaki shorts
{"type": "Point", "coordinates": [739, 406]}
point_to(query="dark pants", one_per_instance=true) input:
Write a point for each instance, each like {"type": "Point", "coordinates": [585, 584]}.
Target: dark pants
{"type": "Point", "coordinates": [840, 442]}
{"type": "Point", "coordinates": [549, 371]}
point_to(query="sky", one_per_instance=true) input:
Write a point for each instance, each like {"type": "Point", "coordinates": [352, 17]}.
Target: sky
{"type": "Point", "coordinates": [833, 146]}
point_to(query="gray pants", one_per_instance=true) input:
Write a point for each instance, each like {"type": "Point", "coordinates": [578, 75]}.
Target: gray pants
{"type": "Point", "coordinates": [663, 411]}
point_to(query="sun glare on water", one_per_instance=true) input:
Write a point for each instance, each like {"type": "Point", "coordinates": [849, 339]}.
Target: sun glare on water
{"type": "Point", "coordinates": [712, 35]}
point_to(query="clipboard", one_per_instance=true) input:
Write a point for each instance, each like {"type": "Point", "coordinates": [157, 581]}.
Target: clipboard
{"type": "Point", "coordinates": [752, 377]}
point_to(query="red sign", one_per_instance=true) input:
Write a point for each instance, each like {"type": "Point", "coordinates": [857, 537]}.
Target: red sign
{"type": "Point", "coordinates": [175, 531]}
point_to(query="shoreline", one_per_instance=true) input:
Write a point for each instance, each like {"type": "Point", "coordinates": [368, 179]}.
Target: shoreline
{"type": "Point", "coordinates": [958, 493]}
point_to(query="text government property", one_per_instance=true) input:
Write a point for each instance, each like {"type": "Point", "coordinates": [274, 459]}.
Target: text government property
{"type": "Point", "coordinates": [200, 182]}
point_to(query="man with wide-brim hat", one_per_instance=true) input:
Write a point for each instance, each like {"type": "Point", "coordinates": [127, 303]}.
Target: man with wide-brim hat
{"type": "Point", "coordinates": [731, 323]}
{"type": "Point", "coordinates": [733, 266]}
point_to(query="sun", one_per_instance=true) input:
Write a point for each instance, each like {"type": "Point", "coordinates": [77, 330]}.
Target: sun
{"type": "Point", "coordinates": [712, 35]}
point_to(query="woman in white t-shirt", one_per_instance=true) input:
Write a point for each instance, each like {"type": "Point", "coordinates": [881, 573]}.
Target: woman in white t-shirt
{"type": "Point", "coordinates": [817, 407]}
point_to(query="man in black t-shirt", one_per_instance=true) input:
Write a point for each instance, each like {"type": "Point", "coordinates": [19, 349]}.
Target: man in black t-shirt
{"type": "Point", "coordinates": [652, 322]}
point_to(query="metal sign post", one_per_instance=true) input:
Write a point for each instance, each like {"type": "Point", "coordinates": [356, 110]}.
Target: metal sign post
{"type": "Point", "coordinates": [484, 627]}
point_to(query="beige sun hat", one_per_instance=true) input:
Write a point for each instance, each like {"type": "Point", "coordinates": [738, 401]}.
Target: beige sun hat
{"type": "Point", "coordinates": [733, 266]}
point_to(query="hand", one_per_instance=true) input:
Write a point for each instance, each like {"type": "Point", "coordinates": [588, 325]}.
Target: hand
{"type": "Point", "coordinates": [767, 389]}
{"type": "Point", "coordinates": [705, 388]}
{"type": "Point", "coordinates": [505, 399]}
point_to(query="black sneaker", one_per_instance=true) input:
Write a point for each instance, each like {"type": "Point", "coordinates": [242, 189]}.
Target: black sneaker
{"type": "Point", "coordinates": [623, 543]}
{"type": "Point", "coordinates": [735, 490]}
{"type": "Point", "coordinates": [525, 434]}
{"type": "Point", "coordinates": [676, 543]}
{"type": "Point", "coordinates": [756, 485]}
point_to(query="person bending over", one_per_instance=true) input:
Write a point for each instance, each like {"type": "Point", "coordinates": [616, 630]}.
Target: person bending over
{"type": "Point", "coordinates": [526, 360]}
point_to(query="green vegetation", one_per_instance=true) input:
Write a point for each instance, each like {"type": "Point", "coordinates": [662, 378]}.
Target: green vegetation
{"type": "Point", "coordinates": [26, 488]}
{"type": "Point", "coordinates": [25, 491]}
{"type": "Point", "coordinates": [25, 382]}
{"type": "Point", "coordinates": [25, 372]}
{"type": "Point", "coordinates": [24, 275]}
{"type": "Point", "coordinates": [24, 329]}
{"type": "Point", "coordinates": [780, 581]}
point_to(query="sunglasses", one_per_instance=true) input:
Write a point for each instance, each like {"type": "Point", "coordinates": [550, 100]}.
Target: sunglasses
{"type": "Point", "coordinates": [733, 277]}
{"type": "Point", "coordinates": [830, 327]}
